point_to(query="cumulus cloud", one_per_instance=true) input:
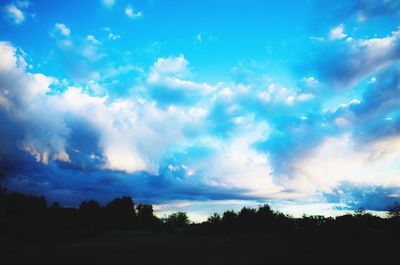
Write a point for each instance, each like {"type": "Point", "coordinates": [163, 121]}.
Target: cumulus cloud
{"type": "Point", "coordinates": [169, 86]}
{"type": "Point", "coordinates": [25, 101]}
{"type": "Point", "coordinates": [239, 165]}
{"type": "Point", "coordinates": [356, 144]}
{"type": "Point", "coordinates": [345, 63]}
{"type": "Point", "coordinates": [22, 97]}
{"type": "Point", "coordinates": [89, 137]}
{"type": "Point", "coordinates": [280, 94]}
{"type": "Point", "coordinates": [171, 66]}
{"type": "Point", "coordinates": [293, 116]}
{"type": "Point", "coordinates": [375, 115]}
{"type": "Point", "coordinates": [382, 96]}
{"type": "Point", "coordinates": [338, 160]}
{"type": "Point", "coordinates": [338, 172]}
{"type": "Point", "coordinates": [253, 140]}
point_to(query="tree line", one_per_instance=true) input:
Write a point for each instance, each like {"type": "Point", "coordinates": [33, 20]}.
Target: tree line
{"type": "Point", "coordinates": [29, 219]}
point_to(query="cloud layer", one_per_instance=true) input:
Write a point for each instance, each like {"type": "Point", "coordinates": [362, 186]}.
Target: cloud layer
{"type": "Point", "coordinates": [162, 132]}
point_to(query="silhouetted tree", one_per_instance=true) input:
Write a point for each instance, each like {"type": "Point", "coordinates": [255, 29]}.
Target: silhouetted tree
{"type": "Point", "coordinates": [179, 219]}
{"type": "Point", "coordinates": [213, 224]}
{"type": "Point", "coordinates": [89, 206]}
{"type": "Point", "coordinates": [145, 216]}
{"type": "Point", "coordinates": [214, 219]}
{"type": "Point", "coordinates": [310, 223]}
{"type": "Point", "coordinates": [145, 211]}
{"type": "Point", "coordinates": [25, 219]}
{"type": "Point", "coordinates": [55, 205]}
{"type": "Point", "coordinates": [120, 212]}
{"type": "Point", "coordinates": [90, 214]}
{"type": "Point", "coordinates": [16, 204]}
{"type": "Point", "coordinates": [247, 219]}
{"type": "Point", "coordinates": [123, 206]}
{"type": "Point", "coordinates": [229, 221]}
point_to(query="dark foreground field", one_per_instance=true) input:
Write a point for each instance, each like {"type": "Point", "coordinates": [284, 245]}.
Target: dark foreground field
{"type": "Point", "coordinates": [124, 233]}
{"type": "Point", "coordinates": [146, 247]}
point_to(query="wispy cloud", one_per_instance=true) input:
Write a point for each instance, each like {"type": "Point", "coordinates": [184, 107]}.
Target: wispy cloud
{"type": "Point", "coordinates": [62, 29]}
{"type": "Point", "coordinates": [337, 33]}
{"type": "Point", "coordinates": [108, 3]}
{"type": "Point", "coordinates": [131, 13]}
{"type": "Point", "coordinates": [113, 36]}
{"type": "Point", "coordinates": [92, 39]}
{"type": "Point", "coordinates": [15, 11]}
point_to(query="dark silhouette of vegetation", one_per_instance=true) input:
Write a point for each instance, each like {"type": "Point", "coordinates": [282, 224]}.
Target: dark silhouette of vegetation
{"type": "Point", "coordinates": [27, 222]}
{"type": "Point", "coordinates": [179, 220]}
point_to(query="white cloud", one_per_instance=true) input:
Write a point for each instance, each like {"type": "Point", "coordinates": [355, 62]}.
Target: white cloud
{"type": "Point", "coordinates": [135, 134]}
{"type": "Point", "coordinates": [171, 71]}
{"type": "Point", "coordinates": [276, 93]}
{"type": "Point", "coordinates": [123, 136]}
{"type": "Point", "coordinates": [113, 36]}
{"type": "Point", "coordinates": [378, 49]}
{"type": "Point", "coordinates": [15, 11]}
{"type": "Point", "coordinates": [310, 82]}
{"type": "Point", "coordinates": [130, 12]}
{"type": "Point", "coordinates": [90, 52]}
{"type": "Point", "coordinates": [369, 55]}
{"type": "Point", "coordinates": [237, 165]}
{"type": "Point", "coordinates": [360, 58]}
{"type": "Point", "coordinates": [176, 66]}
{"type": "Point", "coordinates": [123, 69]}
{"type": "Point", "coordinates": [226, 92]}
{"type": "Point", "coordinates": [80, 51]}
{"type": "Point", "coordinates": [337, 160]}
{"type": "Point", "coordinates": [14, 64]}
{"type": "Point", "coordinates": [23, 98]}
{"type": "Point", "coordinates": [8, 57]}
{"type": "Point", "coordinates": [108, 3]}
{"type": "Point", "coordinates": [92, 39]}
{"type": "Point", "coordinates": [337, 33]}
{"type": "Point", "coordinates": [62, 29]}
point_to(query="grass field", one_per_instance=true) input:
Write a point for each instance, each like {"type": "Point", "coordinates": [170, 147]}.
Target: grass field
{"type": "Point", "coordinates": [146, 247]}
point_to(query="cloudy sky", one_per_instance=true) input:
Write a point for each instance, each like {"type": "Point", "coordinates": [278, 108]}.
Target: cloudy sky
{"type": "Point", "coordinates": [202, 106]}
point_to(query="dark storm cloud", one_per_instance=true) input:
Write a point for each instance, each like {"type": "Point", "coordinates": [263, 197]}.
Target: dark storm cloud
{"type": "Point", "coordinates": [368, 197]}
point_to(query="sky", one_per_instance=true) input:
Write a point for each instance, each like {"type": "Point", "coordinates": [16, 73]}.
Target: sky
{"type": "Point", "coordinates": [202, 106]}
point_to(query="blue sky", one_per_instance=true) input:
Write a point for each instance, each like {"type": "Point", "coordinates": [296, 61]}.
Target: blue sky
{"type": "Point", "coordinates": [203, 106]}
